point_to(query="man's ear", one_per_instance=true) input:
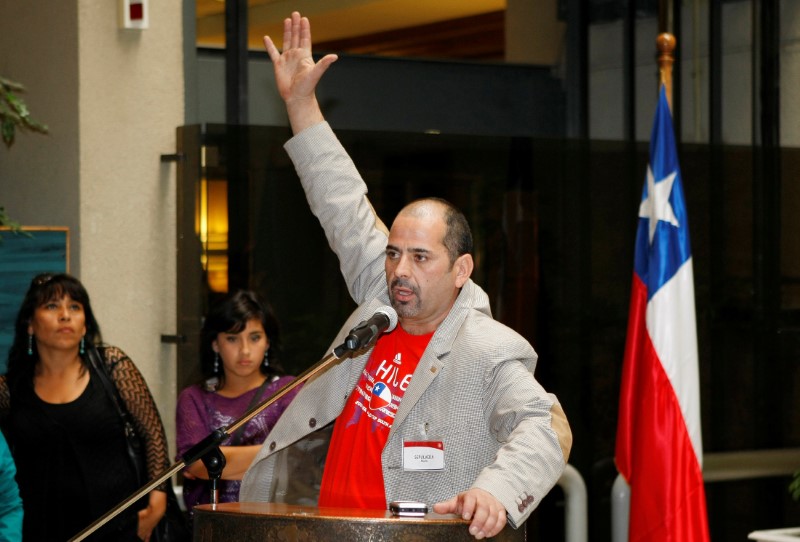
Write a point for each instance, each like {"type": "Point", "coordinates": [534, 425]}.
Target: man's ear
{"type": "Point", "coordinates": [463, 266]}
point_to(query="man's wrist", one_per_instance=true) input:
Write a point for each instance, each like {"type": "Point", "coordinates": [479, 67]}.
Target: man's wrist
{"type": "Point", "coordinates": [303, 113]}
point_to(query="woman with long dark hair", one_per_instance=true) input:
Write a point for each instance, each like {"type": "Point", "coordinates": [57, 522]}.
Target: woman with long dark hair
{"type": "Point", "coordinates": [67, 437]}
{"type": "Point", "coordinates": [241, 351]}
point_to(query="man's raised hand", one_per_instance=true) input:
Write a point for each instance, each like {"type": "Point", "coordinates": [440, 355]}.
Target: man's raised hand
{"type": "Point", "coordinates": [296, 73]}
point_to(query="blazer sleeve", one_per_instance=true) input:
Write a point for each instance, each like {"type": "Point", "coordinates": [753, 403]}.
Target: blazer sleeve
{"type": "Point", "coordinates": [535, 439]}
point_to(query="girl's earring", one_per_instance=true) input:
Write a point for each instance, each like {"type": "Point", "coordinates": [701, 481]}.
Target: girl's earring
{"type": "Point", "coordinates": [216, 362]}
{"type": "Point", "coordinates": [266, 358]}
{"type": "Point", "coordinates": [83, 346]}
{"type": "Point", "coordinates": [30, 344]}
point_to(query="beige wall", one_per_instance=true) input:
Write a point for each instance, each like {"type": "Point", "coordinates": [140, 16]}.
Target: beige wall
{"type": "Point", "coordinates": [112, 99]}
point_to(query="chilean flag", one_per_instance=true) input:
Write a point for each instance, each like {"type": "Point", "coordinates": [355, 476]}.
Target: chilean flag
{"type": "Point", "coordinates": [659, 450]}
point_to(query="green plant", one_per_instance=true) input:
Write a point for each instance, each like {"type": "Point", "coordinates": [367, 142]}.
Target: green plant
{"type": "Point", "coordinates": [11, 224]}
{"type": "Point", "coordinates": [14, 113]}
{"type": "Point", "coordinates": [794, 487]}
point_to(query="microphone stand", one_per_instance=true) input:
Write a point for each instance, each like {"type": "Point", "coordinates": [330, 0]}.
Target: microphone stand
{"type": "Point", "coordinates": [208, 450]}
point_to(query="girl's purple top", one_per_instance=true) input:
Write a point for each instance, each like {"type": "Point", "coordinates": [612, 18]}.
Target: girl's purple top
{"type": "Point", "coordinates": [199, 412]}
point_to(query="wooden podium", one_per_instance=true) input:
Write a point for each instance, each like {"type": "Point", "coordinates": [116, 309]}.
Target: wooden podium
{"type": "Point", "coordinates": [245, 521]}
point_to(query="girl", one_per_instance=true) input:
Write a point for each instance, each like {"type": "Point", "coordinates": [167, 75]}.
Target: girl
{"type": "Point", "coordinates": [241, 352]}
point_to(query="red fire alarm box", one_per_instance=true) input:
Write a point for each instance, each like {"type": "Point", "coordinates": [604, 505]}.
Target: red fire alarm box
{"type": "Point", "coordinates": [133, 14]}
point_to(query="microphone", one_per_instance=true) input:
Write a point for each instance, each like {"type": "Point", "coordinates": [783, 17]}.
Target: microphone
{"type": "Point", "coordinates": [383, 321]}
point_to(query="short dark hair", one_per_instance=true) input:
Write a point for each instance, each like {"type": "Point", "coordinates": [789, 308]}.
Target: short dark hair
{"type": "Point", "coordinates": [230, 315]}
{"type": "Point", "coordinates": [43, 288]}
{"type": "Point", "coordinates": [458, 235]}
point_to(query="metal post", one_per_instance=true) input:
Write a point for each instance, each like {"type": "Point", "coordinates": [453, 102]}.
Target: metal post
{"type": "Point", "coordinates": [620, 509]}
{"type": "Point", "coordinates": [575, 510]}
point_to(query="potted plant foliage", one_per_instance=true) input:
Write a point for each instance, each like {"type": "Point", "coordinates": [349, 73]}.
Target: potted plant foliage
{"type": "Point", "coordinates": [14, 115]}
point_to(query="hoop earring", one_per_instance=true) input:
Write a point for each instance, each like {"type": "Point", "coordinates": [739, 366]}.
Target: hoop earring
{"type": "Point", "coordinates": [30, 344]}
{"type": "Point", "coordinates": [82, 349]}
{"type": "Point", "coordinates": [265, 363]}
{"type": "Point", "coordinates": [216, 362]}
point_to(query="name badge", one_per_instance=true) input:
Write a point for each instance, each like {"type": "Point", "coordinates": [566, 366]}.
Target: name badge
{"type": "Point", "coordinates": [423, 455]}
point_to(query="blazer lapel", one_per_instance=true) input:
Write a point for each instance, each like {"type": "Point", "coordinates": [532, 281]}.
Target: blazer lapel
{"type": "Point", "coordinates": [435, 356]}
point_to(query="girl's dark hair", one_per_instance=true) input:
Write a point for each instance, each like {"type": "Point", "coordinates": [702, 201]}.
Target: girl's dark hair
{"type": "Point", "coordinates": [46, 287]}
{"type": "Point", "coordinates": [230, 315]}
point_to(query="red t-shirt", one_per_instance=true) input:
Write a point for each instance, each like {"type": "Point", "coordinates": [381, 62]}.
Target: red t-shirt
{"type": "Point", "coordinates": [353, 476]}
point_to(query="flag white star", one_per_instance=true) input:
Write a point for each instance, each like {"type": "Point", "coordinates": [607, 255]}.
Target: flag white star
{"type": "Point", "coordinates": [657, 206]}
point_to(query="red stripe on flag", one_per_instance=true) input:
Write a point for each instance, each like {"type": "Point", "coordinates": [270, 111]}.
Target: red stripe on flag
{"type": "Point", "coordinates": [653, 450]}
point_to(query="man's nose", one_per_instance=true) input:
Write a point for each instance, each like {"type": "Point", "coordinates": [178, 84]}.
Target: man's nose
{"type": "Point", "coordinates": [403, 267]}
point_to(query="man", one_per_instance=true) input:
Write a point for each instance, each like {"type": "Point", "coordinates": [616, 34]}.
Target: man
{"type": "Point", "coordinates": [443, 409]}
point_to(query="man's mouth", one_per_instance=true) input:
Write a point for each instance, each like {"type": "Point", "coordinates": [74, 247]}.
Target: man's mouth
{"type": "Point", "coordinates": [402, 292]}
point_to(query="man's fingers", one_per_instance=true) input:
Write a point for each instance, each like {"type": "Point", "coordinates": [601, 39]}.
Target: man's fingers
{"type": "Point", "coordinates": [324, 63]}
{"type": "Point", "coordinates": [449, 506]}
{"type": "Point", "coordinates": [469, 505]}
{"type": "Point", "coordinates": [287, 32]}
{"type": "Point", "coordinates": [487, 515]}
{"type": "Point", "coordinates": [305, 33]}
{"type": "Point", "coordinates": [478, 514]}
{"type": "Point", "coordinates": [500, 522]}
{"type": "Point", "coordinates": [488, 521]}
{"type": "Point", "coordinates": [294, 32]}
{"type": "Point", "coordinates": [272, 51]}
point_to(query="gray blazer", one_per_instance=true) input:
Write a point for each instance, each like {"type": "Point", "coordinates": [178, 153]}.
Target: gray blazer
{"type": "Point", "coordinates": [473, 389]}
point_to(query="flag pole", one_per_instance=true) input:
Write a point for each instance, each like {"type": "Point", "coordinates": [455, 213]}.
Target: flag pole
{"type": "Point", "coordinates": [659, 446]}
{"type": "Point", "coordinates": [665, 43]}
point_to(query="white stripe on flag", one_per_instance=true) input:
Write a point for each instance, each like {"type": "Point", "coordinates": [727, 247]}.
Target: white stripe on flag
{"type": "Point", "coordinates": [671, 325]}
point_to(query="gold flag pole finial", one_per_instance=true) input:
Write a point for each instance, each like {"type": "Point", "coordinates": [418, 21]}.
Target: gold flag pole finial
{"type": "Point", "coordinates": [665, 43]}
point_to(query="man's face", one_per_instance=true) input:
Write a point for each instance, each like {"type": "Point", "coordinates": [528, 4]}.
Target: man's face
{"type": "Point", "coordinates": [423, 285]}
